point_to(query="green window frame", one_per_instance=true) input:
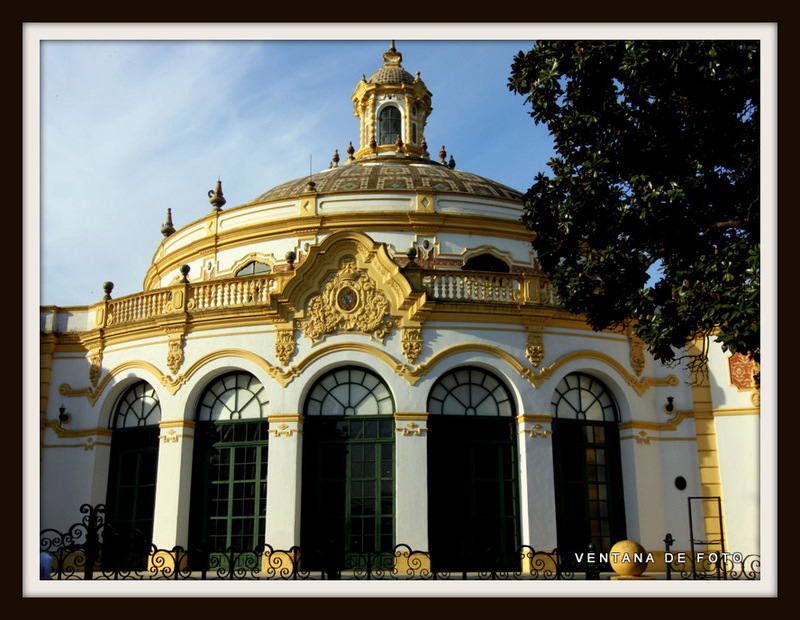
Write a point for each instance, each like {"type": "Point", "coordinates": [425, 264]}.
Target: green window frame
{"type": "Point", "coordinates": [473, 489]}
{"type": "Point", "coordinates": [348, 505]}
{"type": "Point", "coordinates": [133, 470]}
{"type": "Point", "coordinates": [587, 466]}
{"type": "Point", "coordinates": [229, 477]}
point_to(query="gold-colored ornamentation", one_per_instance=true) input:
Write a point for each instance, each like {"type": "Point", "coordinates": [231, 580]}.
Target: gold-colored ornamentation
{"type": "Point", "coordinates": [349, 301]}
{"type": "Point", "coordinates": [284, 430]}
{"type": "Point", "coordinates": [642, 438]}
{"type": "Point", "coordinates": [534, 349]}
{"type": "Point", "coordinates": [412, 429]}
{"type": "Point", "coordinates": [96, 361]}
{"type": "Point", "coordinates": [284, 346]}
{"type": "Point", "coordinates": [637, 356]}
{"type": "Point", "coordinates": [537, 430]}
{"type": "Point", "coordinates": [170, 437]}
{"type": "Point", "coordinates": [742, 371]}
{"type": "Point", "coordinates": [175, 354]}
{"type": "Point", "coordinates": [412, 343]}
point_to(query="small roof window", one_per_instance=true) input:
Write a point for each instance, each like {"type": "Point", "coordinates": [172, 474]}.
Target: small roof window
{"type": "Point", "coordinates": [254, 268]}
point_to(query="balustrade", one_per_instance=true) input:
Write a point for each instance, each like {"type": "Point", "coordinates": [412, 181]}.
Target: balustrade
{"type": "Point", "coordinates": [441, 285]}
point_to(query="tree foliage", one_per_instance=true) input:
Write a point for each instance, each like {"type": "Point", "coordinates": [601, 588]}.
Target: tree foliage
{"type": "Point", "coordinates": [656, 166]}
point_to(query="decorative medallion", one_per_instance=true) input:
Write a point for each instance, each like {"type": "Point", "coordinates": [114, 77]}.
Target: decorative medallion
{"type": "Point", "coordinates": [349, 301]}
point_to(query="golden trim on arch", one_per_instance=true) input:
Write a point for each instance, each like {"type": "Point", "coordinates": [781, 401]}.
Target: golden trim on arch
{"type": "Point", "coordinates": [537, 378]}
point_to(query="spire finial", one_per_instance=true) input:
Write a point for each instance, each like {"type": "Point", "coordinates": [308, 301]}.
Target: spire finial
{"type": "Point", "coordinates": [167, 228]}
{"type": "Point", "coordinates": [215, 197]}
{"type": "Point", "coordinates": [391, 46]}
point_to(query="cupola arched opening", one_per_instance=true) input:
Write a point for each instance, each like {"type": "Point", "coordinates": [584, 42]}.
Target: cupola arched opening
{"type": "Point", "coordinates": [389, 124]}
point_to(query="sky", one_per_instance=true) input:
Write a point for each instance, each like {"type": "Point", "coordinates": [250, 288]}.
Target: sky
{"type": "Point", "coordinates": [132, 128]}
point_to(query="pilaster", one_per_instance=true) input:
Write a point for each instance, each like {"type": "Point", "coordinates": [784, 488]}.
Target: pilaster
{"type": "Point", "coordinates": [173, 484]}
{"type": "Point", "coordinates": [537, 482]}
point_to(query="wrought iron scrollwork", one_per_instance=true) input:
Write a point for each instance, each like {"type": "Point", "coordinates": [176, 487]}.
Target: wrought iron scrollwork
{"type": "Point", "coordinates": [93, 549]}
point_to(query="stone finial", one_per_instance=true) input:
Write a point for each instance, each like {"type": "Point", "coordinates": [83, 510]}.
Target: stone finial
{"type": "Point", "coordinates": [336, 158]}
{"type": "Point", "coordinates": [373, 146]}
{"type": "Point", "coordinates": [350, 151]}
{"type": "Point", "coordinates": [398, 144]}
{"type": "Point", "coordinates": [167, 228]}
{"type": "Point", "coordinates": [442, 155]}
{"type": "Point", "coordinates": [424, 147]}
{"type": "Point", "coordinates": [452, 163]}
{"type": "Point", "coordinates": [216, 198]}
{"type": "Point", "coordinates": [107, 288]}
{"type": "Point", "coordinates": [185, 269]}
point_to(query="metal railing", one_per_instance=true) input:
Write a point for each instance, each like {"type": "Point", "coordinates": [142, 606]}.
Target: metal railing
{"type": "Point", "coordinates": [92, 549]}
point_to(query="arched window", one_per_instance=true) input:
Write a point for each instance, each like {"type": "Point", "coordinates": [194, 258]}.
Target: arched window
{"type": "Point", "coordinates": [472, 472]}
{"type": "Point", "coordinates": [582, 397]}
{"type": "Point", "coordinates": [470, 391]}
{"type": "Point", "coordinates": [389, 125]}
{"type": "Point", "coordinates": [234, 396]}
{"type": "Point", "coordinates": [348, 469]}
{"type": "Point", "coordinates": [133, 467]}
{"type": "Point", "coordinates": [229, 474]}
{"type": "Point", "coordinates": [253, 268]}
{"type": "Point", "coordinates": [586, 453]}
{"type": "Point", "coordinates": [486, 262]}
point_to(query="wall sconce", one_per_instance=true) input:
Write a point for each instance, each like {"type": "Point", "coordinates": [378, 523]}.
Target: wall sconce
{"type": "Point", "coordinates": [64, 417]}
{"type": "Point", "coordinates": [670, 406]}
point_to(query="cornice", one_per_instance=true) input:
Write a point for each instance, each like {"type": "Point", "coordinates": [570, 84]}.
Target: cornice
{"type": "Point", "coordinates": [314, 225]}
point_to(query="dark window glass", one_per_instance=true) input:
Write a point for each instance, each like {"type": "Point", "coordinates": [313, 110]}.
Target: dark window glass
{"type": "Point", "coordinates": [389, 125]}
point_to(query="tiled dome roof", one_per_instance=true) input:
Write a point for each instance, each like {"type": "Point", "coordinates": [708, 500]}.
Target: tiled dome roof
{"type": "Point", "coordinates": [365, 176]}
{"type": "Point", "coordinates": [390, 75]}
{"type": "Point", "coordinates": [392, 71]}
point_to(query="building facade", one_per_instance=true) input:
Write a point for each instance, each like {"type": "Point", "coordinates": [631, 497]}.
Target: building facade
{"type": "Point", "coordinates": [371, 356]}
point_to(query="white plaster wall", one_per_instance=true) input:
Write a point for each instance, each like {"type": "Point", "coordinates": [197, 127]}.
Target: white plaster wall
{"type": "Point", "coordinates": [679, 458]}
{"type": "Point", "coordinates": [738, 445]}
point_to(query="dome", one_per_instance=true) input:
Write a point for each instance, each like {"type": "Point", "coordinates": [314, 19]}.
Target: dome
{"type": "Point", "coordinates": [390, 75]}
{"type": "Point", "coordinates": [371, 176]}
{"type": "Point", "coordinates": [391, 72]}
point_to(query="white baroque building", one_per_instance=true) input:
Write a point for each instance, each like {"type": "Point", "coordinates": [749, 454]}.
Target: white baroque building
{"type": "Point", "coordinates": [371, 356]}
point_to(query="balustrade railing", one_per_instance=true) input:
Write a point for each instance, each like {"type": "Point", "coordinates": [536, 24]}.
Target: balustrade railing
{"type": "Point", "coordinates": [230, 293]}
{"type": "Point", "coordinates": [488, 288]}
{"type": "Point", "coordinates": [135, 307]}
{"type": "Point", "coordinates": [440, 285]}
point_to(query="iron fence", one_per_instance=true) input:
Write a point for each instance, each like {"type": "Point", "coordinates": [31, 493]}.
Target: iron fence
{"type": "Point", "coordinates": [94, 549]}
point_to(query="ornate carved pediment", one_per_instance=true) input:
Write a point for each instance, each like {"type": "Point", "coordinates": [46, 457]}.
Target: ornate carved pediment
{"type": "Point", "coordinates": [349, 301]}
{"type": "Point", "coordinates": [348, 283]}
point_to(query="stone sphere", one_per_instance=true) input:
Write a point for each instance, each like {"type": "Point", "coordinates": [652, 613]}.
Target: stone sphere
{"type": "Point", "coordinates": [627, 558]}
